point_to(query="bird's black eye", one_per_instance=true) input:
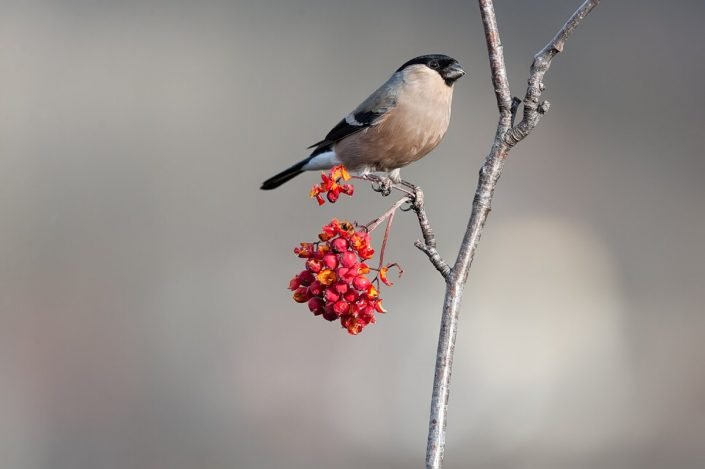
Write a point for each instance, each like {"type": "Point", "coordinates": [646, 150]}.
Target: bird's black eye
{"type": "Point", "coordinates": [434, 65]}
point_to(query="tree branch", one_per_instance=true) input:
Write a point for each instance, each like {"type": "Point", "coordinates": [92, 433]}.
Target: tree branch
{"type": "Point", "coordinates": [506, 137]}
{"type": "Point", "coordinates": [496, 55]}
{"type": "Point", "coordinates": [428, 245]}
{"type": "Point", "coordinates": [415, 197]}
{"type": "Point", "coordinates": [533, 108]}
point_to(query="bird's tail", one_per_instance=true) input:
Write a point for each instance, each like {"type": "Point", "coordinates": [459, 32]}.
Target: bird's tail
{"type": "Point", "coordinates": [284, 176]}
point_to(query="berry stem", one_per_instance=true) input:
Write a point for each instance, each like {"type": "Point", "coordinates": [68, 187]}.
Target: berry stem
{"type": "Point", "coordinates": [378, 221]}
{"type": "Point", "coordinates": [386, 237]}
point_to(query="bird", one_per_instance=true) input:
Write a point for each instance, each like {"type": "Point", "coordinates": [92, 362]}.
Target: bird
{"type": "Point", "coordinates": [398, 124]}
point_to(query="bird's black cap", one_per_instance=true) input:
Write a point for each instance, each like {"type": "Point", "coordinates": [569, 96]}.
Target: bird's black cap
{"type": "Point", "coordinates": [428, 60]}
{"type": "Point", "coordinates": [447, 67]}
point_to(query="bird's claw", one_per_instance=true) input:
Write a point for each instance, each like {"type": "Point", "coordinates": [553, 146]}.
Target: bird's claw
{"type": "Point", "coordinates": [383, 186]}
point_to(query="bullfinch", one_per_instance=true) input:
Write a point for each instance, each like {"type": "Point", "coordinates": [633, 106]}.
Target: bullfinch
{"type": "Point", "coordinates": [401, 122]}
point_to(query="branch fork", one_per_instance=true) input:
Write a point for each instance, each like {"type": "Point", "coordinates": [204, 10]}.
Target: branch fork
{"type": "Point", "coordinates": [414, 196]}
{"type": "Point", "coordinates": [428, 245]}
{"type": "Point", "coordinates": [507, 135]}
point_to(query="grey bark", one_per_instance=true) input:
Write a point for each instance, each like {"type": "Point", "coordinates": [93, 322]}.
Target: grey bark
{"type": "Point", "coordinates": [506, 137]}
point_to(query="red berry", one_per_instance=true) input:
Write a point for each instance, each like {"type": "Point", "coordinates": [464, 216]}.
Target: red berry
{"type": "Point", "coordinates": [333, 196]}
{"type": "Point", "coordinates": [330, 261]}
{"type": "Point", "coordinates": [339, 244]}
{"type": "Point", "coordinates": [341, 287]}
{"type": "Point", "coordinates": [329, 314]}
{"type": "Point", "coordinates": [331, 295]}
{"type": "Point", "coordinates": [316, 289]}
{"type": "Point", "coordinates": [348, 259]}
{"type": "Point", "coordinates": [361, 283]}
{"type": "Point", "coordinates": [294, 283]}
{"type": "Point", "coordinates": [341, 307]}
{"type": "Point", "coordinates": [316, 305]}
{"type": "Point", "coordinates": [346, 275]}
{"type": "Point", "coordinates": [342, 272]}
{"type": "Point", "coordinates": [306, 278]}
{"type": "Point", "coordinates": [350, 296]}
{"type": "Point", "coordinates": [301, 295]}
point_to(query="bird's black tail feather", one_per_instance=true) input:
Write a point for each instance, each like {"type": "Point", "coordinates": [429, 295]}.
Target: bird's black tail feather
{"type": "Point", "coordinates": [284, 176]}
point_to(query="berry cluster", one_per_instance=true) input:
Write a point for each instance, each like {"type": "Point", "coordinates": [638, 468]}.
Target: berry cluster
{"type": "Point", "coordinates": [335, 283]}
{"type": "Point", "coordinates": [331, 185]}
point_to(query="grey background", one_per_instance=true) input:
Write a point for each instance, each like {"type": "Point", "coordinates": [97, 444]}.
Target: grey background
{"type": "Point", "coordinates": [144, 316]}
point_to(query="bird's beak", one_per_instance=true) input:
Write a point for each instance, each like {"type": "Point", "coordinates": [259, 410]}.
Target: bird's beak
{"type": "Point", "coordinates": [453, 72]}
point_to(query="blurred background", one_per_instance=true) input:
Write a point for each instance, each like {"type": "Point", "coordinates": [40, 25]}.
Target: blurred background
{"type": "Point", "coordinates": [145, 320]}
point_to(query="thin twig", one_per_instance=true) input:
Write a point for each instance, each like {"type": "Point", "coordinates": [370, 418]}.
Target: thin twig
{"type": "Point", "coordinates": [533, 107]}
{"type": "Point", "coordinates": [416, 198]}
{"type": "Point", "coordinates": [387, 229]}
{"type": "Point", "coordinates": [376, 222]}
{"type": "Point", "coordinates": [428, 245]}
{"type": "Point", "coordinates": [506, 137]}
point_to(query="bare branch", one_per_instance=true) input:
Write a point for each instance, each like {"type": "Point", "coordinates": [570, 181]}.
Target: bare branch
{"type": "Point", "coordinates": [428, 245]}
{"type": "Point", "coordinates": [415, 197]}
{"type": "Point", "coordinates": [533, 107]}
{"type": "Point", "coordinates": [506, 137]}
{"type": "Point", "coordinates": [496, 54]}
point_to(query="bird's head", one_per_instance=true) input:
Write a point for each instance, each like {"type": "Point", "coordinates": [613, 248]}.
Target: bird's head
{"type": "Point", "coordinates": [447, 67]}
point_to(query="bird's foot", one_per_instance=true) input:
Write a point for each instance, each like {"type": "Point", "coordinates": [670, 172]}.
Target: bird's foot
{"type": "Point", "coordinates": [383, 186]}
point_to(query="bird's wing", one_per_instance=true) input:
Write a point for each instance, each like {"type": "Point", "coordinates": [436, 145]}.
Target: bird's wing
{"type": "Point", "coordinates": [369, 113]}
